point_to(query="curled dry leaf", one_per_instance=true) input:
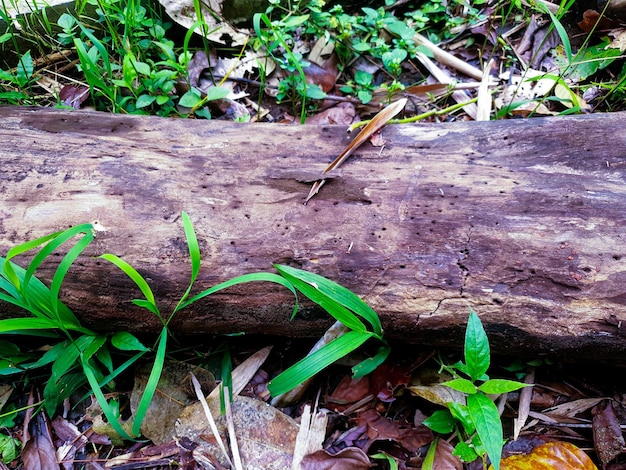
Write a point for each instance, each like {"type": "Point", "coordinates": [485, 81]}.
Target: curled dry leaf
{"type": "Point", "coordinates": [351, 458]}
{"type": "Point", "coordinates": [550, 456]}
{"type": "Point", "coordinates": [377, 123]}
{"type": "Point", "coordinates": [39, 452]}
{"type": "Point", "coordinates": [73, 95]}
{"type": "Point", "coordinates": [607, 434]}
{"type": "Point", "coordinates": [444, 459]}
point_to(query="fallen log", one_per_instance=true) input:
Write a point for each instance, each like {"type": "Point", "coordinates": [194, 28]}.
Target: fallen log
{"type": "Point", "coordinates": [523, 220]}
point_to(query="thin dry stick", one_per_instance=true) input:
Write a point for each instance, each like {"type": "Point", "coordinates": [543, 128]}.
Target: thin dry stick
{"type": "Point", "coordinates": [209, 417]}
{"type": "Point", "coordinates": [448, 59]}
{"type": "Point", "coordinates": [377, 123]}
{"type": "Point", "coordinates": [459, 96]}
{"type": "Point", "coordinates": [231, 431]}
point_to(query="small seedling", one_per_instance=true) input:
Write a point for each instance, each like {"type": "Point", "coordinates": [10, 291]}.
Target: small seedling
{"type": "Point", "coordinates": [478, 421]}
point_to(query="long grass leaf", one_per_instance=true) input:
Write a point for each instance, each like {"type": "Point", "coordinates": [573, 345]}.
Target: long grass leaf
{"type": "Point", "coordinates": [22, 248]}
{"type": "Point", "coordinates": [102, 401]}
{"type": "Point", "coordinates": [134, 276]}
{"type": "Point", "coordinates": [12, 325]}
{"type": "Point", "coordinates": [334, 291]}
{"type": "Point", "coordinates": [317, 361]}
{"type": "Point", "coordinates": [61, 272]}
{"type": "Point", "coordinates": [269, 277]}
{"type": "Point", "coordinates": [194, 254]}
{"type": "Point", "coordinates": [151, 385]}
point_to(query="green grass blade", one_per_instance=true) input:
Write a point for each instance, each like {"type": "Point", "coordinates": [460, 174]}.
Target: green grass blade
{"type": "Point", "coordinates": [102, 401]}
{"type": "Point", "coordinates": [7, 268]}
{"type": "Point", "coordinates": [317, 361]}
{"type": "Point", "coordinates": [369, 365]}
{"type": "Point", "coordinates": [194, 254]}
{"type": "Point", "coordinates": [64, 266]}
{"type": "Point", "coordinates": [321, 289]}
{"type": "Point", "coordinates": [52, 246]}
{"type": "Point", "coordinates": [151, 385]}
{"type": "Point", "coordinates": [269, 277]}
{"type": "Point", "coordinates": [12, 325]}
{"type": "Point", "coordinates": [134, 276]}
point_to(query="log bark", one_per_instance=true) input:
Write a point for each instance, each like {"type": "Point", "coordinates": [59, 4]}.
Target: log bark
{"type": "Point", "coordinates": [522, 220]}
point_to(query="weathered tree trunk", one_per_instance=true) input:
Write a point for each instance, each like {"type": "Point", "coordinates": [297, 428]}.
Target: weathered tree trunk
{"type": "Point", "coordinates": [522, 220]}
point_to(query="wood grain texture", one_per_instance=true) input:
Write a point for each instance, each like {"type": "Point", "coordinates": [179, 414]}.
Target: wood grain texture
{"type": "Point", "coordinates": [523, 220]}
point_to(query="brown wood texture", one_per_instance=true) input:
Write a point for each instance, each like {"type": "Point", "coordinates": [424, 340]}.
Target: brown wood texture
{"type": "Point", "coordinates": [523, 220]}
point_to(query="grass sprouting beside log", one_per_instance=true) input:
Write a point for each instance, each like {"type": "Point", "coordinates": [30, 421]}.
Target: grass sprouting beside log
{"type": "Point", "coordinates": [80, 356]}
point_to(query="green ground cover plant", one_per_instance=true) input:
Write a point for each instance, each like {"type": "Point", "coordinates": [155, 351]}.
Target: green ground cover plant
{"type": "Point", "coordinates": [132, 62]}
{"type": "Point", "coordinates": [477, 422]}
{"type": "Point", "coordinates": [80, 356]}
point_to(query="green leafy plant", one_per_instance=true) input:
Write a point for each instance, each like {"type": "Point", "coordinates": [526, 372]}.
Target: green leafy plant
{"type": "Point", "coordinates": [478, 421]}
{"type": "Point", "coordinates": [347, 308]}
{"type": "Point", "coordinates": [80, 356]}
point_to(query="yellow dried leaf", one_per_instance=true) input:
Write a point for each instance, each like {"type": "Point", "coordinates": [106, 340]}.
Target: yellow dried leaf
{"type": "Point", "coordinates": [550, 456]}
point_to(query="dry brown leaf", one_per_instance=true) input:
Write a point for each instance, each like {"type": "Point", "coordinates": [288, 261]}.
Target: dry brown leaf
{"type": "Point", "coordinates": [377, 123]}
{"type": "Point", "coordinates": [572, 408]}
{"type": "Point", "coordinates": [313, 425]}
{"type": "Point", "coordinates": [343, 114]}
{"type": "Point", "coordinates": [607, 434]}
{"type": "Point", "coordinates": [39, 452]}
{"type": "Point", "coordinates": [444, 460]}
{"type": "Point", "coordinates": [523, 409]}
{"type": "Point", "coordinates": [172, 395]}
{"type": "Point", "coordinates": [549, 456]}
{"type": "Point", "coordinates": [381, 428]}
{"type": "Point", "coordinates": [351, 458]}
{"type": "Point", "coordinates": [266, 437]}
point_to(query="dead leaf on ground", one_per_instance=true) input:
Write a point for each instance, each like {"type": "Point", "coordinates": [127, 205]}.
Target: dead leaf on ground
{"type": "Point", "coordinates": [406, 434]}
{"type": "Point", "coordinates": [343, 114]}
{"type": "Point", "coordinates": [218, 30]}
{"type": "Point", "coordinates": [172, 395]}
{"type": "Point", "coordinates": [39, 452]}
{"type": "Point", "coordinates": [427, 384]}
{"type": "Point", "coordinates": [266, 436]}
{"type": "Point", "coordinates": [377, 123]}
{"type": "Point", "coordinates": [607, 434]}
{"type": "Point", "coordinates": [552, 456]}
{"type": "Point", "coordinates": [351, 458]}
{"type": "Point", "coordinates": [444, 460]}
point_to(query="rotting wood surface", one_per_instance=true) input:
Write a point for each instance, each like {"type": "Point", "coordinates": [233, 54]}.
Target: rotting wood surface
{"type": "Point", "coordinates": [523, 220]}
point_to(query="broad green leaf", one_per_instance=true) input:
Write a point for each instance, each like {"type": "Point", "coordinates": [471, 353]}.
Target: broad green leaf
{"type": "Point", "coordinates": [477, 353]}
{"type": "Point", "coordinates": [125, 341]}
{"type": "Point", "coordinates": [465, 452]}
{"type": "Point", "coordinates": [25, 68]}
{"type": "Point", "coordinates": [216, 93]}
{"type": "Point", "coordinates": [293, 21]}
{"type": "Point", "coordinates": [497, 386]}
{"type": "Point", "coordinates": [144, 100]}
{"type": "Point", "coordinates": [190, 99]}
{"type": "Point", "coordinates": [441, 421]}
{"type": "Point", "coordinates": [461, 414]}
{"type": "Point", "coordinates": [314, 92]}
{"type": "Point", "coordinates": [486, 418]}
{"type": "Point", "coordinates": [306, 368]}
{"type": "Point", "coordinates": [326, 292]}
{"type": "Point", "coordinates": [462, 385]}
